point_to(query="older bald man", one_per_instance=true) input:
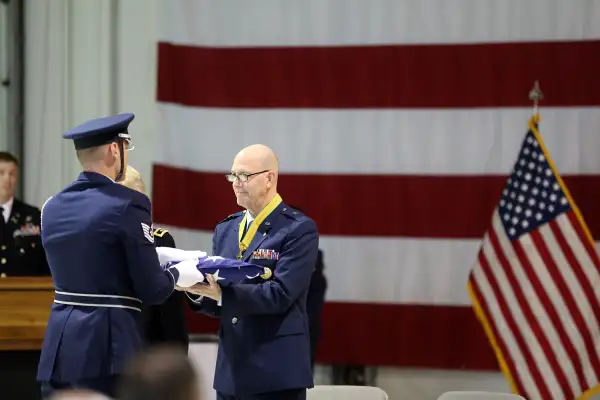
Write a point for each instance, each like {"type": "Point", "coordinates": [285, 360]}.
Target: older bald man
{"type": "Point", "coordinates": [264, 347]}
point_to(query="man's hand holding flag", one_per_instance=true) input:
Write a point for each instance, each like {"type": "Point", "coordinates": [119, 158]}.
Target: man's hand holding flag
{"type": "Point", "coordinates": [206, 273]}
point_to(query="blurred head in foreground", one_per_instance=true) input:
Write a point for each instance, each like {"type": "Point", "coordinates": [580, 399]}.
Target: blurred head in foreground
{"type": "Point", "coordinates": [78, 394]}
{"type": "Point", "coordinates": [133, 180]}
{"type": "Point", "coordinates": [158, 373]}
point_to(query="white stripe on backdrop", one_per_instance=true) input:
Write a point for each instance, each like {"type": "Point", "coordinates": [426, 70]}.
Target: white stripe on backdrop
{"type": "Point", "coordinates": [448, 260]}
{"type": "Point", "coordinates": [242, 23]}
{"type": "Point", "coordinates": [444, 142]}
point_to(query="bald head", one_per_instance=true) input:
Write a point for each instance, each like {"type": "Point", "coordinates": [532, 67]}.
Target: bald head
{"type": "Point", "coordinates": [261, 165]}
{"type": "Point", "coordinates": [258, 156]}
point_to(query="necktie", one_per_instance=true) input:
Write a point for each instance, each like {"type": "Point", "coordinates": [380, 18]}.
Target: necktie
{"type": "Point", "coordinates": [2, 224]}
{"type": "Point", "coordinates": [243, 233]}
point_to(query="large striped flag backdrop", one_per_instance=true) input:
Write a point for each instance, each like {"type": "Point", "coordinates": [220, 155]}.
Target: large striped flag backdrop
{"type": "Point", "coordinates": [533, 285]}
{"type": "Point", "coordinates": [396, 123]}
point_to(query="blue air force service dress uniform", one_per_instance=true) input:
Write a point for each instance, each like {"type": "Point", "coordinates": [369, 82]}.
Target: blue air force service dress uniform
{"type": "Point", "coordinates": [99, 245]}
{"type": "Point", "coordinates": [264, 344]}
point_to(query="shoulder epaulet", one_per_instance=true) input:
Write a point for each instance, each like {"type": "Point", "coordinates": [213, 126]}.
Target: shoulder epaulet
{"type": "Point", "coordinates": [230, 217]}
{"type": "Point", "coordinates": [292, 212]}
{"type": "Point", "coordinates": [160, 232]}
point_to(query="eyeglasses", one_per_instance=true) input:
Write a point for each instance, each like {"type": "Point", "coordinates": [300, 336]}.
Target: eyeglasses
{"type": "Point", "coordinates": [127, 139]}
{"type": "Point", "coordinates": [129, 145]}
{"type": "Point", "coordinates": [242, 177]}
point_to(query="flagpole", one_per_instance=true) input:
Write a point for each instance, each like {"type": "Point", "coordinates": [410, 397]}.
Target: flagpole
{"type": "Point", "coordinates": [536, 95]}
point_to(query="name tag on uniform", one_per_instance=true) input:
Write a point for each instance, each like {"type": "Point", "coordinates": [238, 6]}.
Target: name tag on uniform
{"type": "Point", "coordinates": [265, 254]}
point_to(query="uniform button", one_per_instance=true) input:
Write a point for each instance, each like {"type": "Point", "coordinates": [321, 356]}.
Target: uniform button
{"type": "Point", "coordinates": [234, 320]}
{"type": "Point", "coordinates": [3, 247]}
{"type": "Point", "coordinates": [3, 275]}
{"type": "Point", "coordinates": [22, 251]}
{"type": "Point", "coordinates": [3, 260]}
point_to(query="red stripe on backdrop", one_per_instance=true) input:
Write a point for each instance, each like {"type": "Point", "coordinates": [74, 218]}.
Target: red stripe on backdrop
{"type": "Point", "coordinates": [394, 335]}
{"type": "Point", "coordinates": [380, 205]}
{"type": "Point", "coordinates": [480, 75]}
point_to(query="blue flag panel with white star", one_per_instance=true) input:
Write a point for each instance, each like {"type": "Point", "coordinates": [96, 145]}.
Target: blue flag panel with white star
{"type": "Point", "coordinates": [227, 271]}
{"type": "Point", "coordinates": [532, 195]}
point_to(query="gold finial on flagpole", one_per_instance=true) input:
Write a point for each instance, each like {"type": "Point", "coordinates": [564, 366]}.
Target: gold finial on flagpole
{"type": "Point", "coordinates": [536, 95]}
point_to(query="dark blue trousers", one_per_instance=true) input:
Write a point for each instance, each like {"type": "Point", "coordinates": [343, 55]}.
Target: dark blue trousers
{"type": "Point", "coordinates": [294, 394]}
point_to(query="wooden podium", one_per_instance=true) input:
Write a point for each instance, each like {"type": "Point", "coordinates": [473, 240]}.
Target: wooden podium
{"type": "Point", "coordinates": [24, 310]}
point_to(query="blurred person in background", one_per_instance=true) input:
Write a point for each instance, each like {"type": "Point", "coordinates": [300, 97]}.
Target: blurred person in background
{"type": "Point", "coordinates": [159, 373]}
{"type": "Point", "coordinates": [21, 251]}
{"type": "Point", "coordinates": [315, 302]}
{"type": "Point", "coordinates": [162, 323]}
{"type": "Point", "coordinates": [314, 306]}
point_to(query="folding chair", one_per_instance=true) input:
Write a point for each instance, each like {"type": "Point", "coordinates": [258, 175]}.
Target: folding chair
{"type": "Point", "coordinates": [478, 395]}
{"type": "Point", "coordinates": [345, 392]}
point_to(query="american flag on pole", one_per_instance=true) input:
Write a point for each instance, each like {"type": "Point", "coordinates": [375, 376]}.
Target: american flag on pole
{"type": "Point", "coordinates": [534, 283]}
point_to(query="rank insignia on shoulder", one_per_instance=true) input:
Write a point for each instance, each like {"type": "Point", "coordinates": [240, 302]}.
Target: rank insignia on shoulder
{"type": "Point", "coordinates": [292, 213]}
{"type": "Point", "coordinates": [230, 217]}
{"type": "Point", "coordinates": [160, 232]}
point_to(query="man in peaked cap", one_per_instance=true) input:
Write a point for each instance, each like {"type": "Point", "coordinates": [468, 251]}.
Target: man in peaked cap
{"type": "Point", "coordinates": [92, 137]}
{"type": "Point", "coordinates": [98, 240]}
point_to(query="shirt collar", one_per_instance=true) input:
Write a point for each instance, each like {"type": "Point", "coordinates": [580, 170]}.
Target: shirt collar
{"type": "Point", "coordinates": [7, 207]}
{"type": "Point", "coordinates": [249, 218]}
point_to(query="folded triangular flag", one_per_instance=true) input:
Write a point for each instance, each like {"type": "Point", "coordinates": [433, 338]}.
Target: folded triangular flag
{"type": "Point", "coordinates": [227, 271]}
